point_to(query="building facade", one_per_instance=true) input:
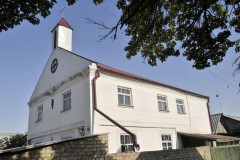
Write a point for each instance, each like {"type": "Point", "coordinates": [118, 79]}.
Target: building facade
{"type": "Point", "coordinates": [76, 97]}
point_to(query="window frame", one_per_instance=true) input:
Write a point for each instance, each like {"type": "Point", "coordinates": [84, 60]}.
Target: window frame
{"type": "Point", "coordinates": [124, 94]}
{"type": "Point", "coordinates": [167, 134]}
{"type": "Point", "coordinates": [66, 99]}
{"type": "Point", "coordinates": [167, 109]}
{"type": "Point", "coordinates": [184, 112]}
{"type": "Point", "coordinates": [128, 144]}
{"type": "Point", "coordinates": [40, 112]}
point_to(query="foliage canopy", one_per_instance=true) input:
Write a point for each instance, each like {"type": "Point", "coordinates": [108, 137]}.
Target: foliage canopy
{"type": "Point", "coordinates": [200, 28]}
{"type": "Point", "coordinates": [203, 28]}
{"type": "Point", "coordinates": [6, 141]}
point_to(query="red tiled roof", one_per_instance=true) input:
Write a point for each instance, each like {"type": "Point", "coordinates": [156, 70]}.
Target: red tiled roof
{"type": "Point", "coordinates": [130, 75]}
{"type": "Point", "coordinates": [64, 23]}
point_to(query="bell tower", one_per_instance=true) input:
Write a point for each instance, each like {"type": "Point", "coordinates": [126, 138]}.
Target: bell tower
{"type": "Point", "coordinates": [62, 36]}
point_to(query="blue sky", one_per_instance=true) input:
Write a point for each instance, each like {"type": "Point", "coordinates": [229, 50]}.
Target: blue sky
{"type": "Point", "coordinates": [25, 49]}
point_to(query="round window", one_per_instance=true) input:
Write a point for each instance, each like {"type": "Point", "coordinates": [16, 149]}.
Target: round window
{"type": "Point", "coordinates": [54, 65]}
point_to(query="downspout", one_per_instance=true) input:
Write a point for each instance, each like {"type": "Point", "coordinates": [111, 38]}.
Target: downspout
{"type": "Point", "coordinates": [210, 119]}
{"type": "Point", "coordinates": [110, 119]}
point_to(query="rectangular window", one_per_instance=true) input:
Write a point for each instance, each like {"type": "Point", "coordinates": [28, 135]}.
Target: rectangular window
{"type": "Point", "coordinates": [180, 107]}
{"type": "Point", "coordinates": [67, 101]}
{"type": "Point", "coordinates": [55, 39]}
{"type": "Point", "coordinates": [124, 96]}
{"type": "Point", "coordinates": [40, 113]}
{"type": "Point", "coordinates": [166, 142]}
{"type": "Point", "coordinates": [162, 103]}
{"type": "Point", "coordinates": [126, 143]}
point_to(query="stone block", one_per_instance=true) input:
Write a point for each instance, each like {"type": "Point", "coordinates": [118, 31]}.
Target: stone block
{"type": "Point", "coordinates": [77, 157]}
{"type": "Point", "coordinates": [77, 150]}
{"type": "Point", "coordinates": [73, 154]}
{"type": "Point", "coordinates": [66, 146]}
{"type": "Point", "coordinates": [65, 154]}
{"type": "Point", "coordinates": [15, 156]}
{"type": "Point", "coordinates": [46, 155]}
{"type": "Point", "coordinates": [55, 146]}
{"type": "Point", "coordinates": [81, 153]}
{"type": "Point", "coordinates": [85, 150]}
{"type": "Point", "coordinates": [55, 154]}
{"type": "Point", "coordinates": [73, 146]}
{"type": "Point", "coordinates": [50, 151]}
{"type": "Point", "coordinates": [81, 146]}
{"type": "Point", "coordinates": [89, 146]}
{"type": "Point", "coordinates": [35, 155]}
{"type": "Point", "coordinates": [24, 155]}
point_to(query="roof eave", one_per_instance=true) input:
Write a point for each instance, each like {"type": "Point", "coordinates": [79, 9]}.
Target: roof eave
{"type": "Point", "coordinates": [155, 82]}
{"type": "Point", "coordinates": [60, 25]}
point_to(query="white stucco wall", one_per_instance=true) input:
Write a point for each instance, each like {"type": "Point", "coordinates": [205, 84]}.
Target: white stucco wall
{"type": "Point", "coordinates": [144, 118]}
{"type": "Point", "coordinates": [71, 75]}
{"type": "Point", "coordinates": [68, 65]}
{"type": "Point", "coordinates": [54, 120]}
{"type": "Point", "coordinates": [64, 38]}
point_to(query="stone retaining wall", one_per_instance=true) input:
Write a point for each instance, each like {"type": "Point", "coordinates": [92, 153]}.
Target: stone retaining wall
{"type": "Point", "coordinates": [96, 147]}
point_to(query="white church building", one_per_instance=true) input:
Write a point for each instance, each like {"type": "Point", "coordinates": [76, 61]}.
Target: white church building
{"type": "Point", "coordinates": [77, 97]}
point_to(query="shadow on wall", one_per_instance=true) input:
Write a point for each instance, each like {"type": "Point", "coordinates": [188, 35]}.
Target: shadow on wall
{"type": "Point", "coordinates": [96, 147]}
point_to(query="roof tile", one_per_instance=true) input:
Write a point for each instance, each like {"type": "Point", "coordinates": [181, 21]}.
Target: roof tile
{"type": "Point", "coordinates": [64, 23]}
{"type": "Point", "coordinates": [130, 75]}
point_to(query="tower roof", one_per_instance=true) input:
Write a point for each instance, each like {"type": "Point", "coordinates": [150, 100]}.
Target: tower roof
{"type": "Point", "coordinates": [64, 23]}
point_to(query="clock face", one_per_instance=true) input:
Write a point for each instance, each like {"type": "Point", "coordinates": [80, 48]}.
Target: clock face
{"type": "Point", "coordinates": [54, 65]}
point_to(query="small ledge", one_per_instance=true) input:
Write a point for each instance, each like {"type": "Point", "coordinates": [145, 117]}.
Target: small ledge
{"type": "Point", "coordinates": [125, 106]}
{"type": "Point", "coordinates": [182, 113]}
{"type": "Point", "coordinates": [164, 111]}
{"type": "Point", "coordinates": [38, 120]}
{"type": "Point", "coordinates": [65, 110]}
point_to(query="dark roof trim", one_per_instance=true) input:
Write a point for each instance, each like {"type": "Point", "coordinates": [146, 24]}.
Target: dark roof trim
{"type": "Point", "coordinates": [126, 74]}
{"type": "Point", "coordinates": [220, 138]}
{"type": "Point", "coordinates": [77, 55]}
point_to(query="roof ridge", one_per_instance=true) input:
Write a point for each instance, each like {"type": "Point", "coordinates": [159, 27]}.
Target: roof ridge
{"type": "Point", "coordinates": [130, 75]}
